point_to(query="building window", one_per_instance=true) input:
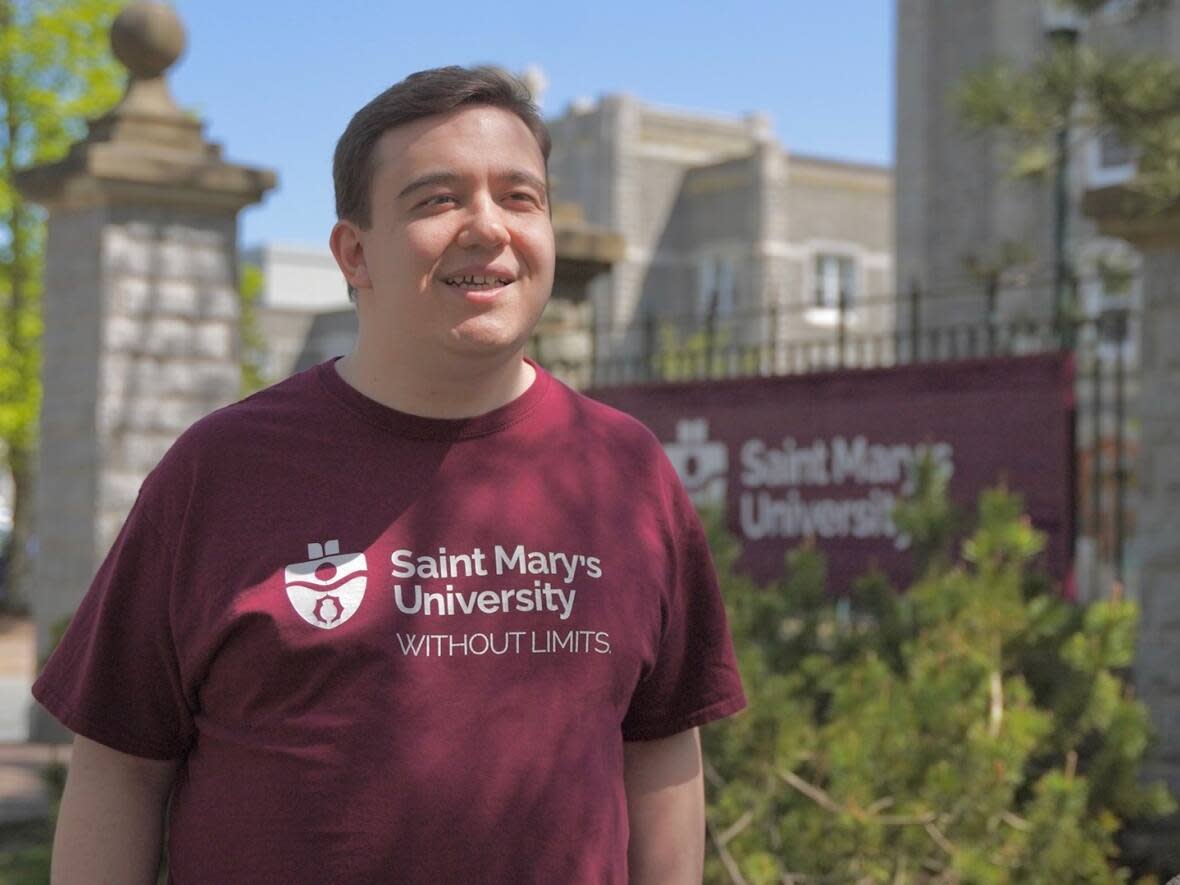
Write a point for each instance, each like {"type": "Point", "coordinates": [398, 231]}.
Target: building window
{"type": "Point", "coordinates": [1109, 297]}
{"type": "Point", "coordinates": [1111, 160]}
{"type": "Point", "coordinates": [715, 285]}
{"type": "Point", "coordinates": [1119, 9]}
{"type": "Point", "coordinates": [1113, 152]}
{"type": "Point", "coordinates": [834, 281]}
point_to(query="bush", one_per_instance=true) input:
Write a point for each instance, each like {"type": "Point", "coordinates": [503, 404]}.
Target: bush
{"type": "Point", "coordinates": [975, 728]}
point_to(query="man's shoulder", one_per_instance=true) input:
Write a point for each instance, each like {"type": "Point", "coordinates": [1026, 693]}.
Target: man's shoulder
{"type": "Point", "coordinates": [608, 439]}
{"type": "Point", "coordinates": [242, 426]}
{"type": "Point", "coordinates": [277, 401]}
{"type": "Point", "coordinates": [606, 424]}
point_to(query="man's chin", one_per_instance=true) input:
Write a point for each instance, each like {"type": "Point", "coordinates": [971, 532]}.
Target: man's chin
{"type": "Point", "coordinates": [490, 335]}
{"type": "Point", "coordinates": [478, 342]}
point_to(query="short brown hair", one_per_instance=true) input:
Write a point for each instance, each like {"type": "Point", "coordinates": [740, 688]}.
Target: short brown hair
{"type": "Point", "coordinates": [424, 94]}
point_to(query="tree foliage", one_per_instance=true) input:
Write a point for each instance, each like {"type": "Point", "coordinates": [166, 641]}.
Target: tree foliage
{"type": "Point", "coordinates": [56, 71]}
{"type": "Point", "coordinates": [250, 337]}
{"type": "Point", "coordinates": [974, 729]}
{"type": "Point", "coordinates": [1095, 90]}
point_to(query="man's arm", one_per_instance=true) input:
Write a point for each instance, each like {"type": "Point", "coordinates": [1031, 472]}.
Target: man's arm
{"type": "Point", "coordinates": [111, 824]}
{"type": "Point", "coordinates": [666, 807]}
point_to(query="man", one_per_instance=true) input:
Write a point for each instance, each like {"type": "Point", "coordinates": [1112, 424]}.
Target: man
{"type": "Point", "coordinates": [418, 615]}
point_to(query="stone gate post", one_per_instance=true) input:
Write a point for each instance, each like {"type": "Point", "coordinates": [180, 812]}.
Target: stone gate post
{"type": "Point", "coordinates": [140, 310]}
{"type": "Point", "coordinates": [1120, 213]}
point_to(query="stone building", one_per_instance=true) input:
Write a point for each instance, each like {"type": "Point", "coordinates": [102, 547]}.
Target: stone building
{"type": "Point", "coordinates": [957, 202]}
{"type": "Point", "coordinates": [719, 218]}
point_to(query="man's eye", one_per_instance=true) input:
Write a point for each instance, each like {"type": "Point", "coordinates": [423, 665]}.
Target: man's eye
{"type": "Point", "coordinates": [438, 200]}
{"type": "Point", "coordinates": [523, 195]}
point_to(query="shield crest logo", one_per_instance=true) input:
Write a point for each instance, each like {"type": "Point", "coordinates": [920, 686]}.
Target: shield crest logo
{"type": "Point", "coordinates": [701, 463]}
{"type": "Point", "coordinates": [327, 589]}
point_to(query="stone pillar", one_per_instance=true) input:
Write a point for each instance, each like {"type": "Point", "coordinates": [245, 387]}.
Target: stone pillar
{"type": "Point", "coordinates": [140, 310]}
{"type": "Point", "coordinates": [563, 341]}
{"type": "Point", "coordinates": [1119, 213]}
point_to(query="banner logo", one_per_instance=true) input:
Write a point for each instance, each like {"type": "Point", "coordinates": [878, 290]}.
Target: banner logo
{"type": "Point", "coordinates": [703, 466]}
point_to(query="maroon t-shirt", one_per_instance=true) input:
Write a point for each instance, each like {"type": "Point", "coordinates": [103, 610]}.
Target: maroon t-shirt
{"type": "Point", "coordinates": [398, 649]}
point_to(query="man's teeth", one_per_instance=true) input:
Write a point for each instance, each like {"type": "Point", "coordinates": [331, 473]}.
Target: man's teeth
{"type": "Point", "coordinates": [477, 282]}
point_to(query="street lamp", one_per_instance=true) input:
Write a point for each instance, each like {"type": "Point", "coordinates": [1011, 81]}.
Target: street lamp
{"type": "Point", "coordinates": [1062, 31]}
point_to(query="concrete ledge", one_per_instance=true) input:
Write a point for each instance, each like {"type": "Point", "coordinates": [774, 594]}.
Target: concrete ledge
{"type": "Point", "coordinates": [1126, 214]}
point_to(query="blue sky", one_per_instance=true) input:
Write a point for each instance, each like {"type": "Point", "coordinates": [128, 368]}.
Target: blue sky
{"type": "Point", "coordinates": [276, 82]}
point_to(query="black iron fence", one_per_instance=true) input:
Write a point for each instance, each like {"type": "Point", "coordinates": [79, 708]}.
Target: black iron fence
{"type": "Point", "coordinates": [890, 331]}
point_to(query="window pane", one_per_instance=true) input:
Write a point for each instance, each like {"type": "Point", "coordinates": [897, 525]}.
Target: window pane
{"type": "Point", "coordinates": [847, 281]}
{"type": "Point", "coordinates": [1113, 152]}
{"type": "Point", "coordinates": [834, 274]}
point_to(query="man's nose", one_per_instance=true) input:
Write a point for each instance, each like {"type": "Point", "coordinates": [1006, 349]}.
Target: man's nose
{"type": "Point", "coordinates": [486, 225]}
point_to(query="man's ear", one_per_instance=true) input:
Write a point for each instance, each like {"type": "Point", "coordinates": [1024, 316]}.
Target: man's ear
{"type": "Point", "coordinates": [349, 252]}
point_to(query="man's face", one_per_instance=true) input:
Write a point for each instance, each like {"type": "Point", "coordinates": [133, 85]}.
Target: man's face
{"type": "Point", "coordinates": [460, 252]}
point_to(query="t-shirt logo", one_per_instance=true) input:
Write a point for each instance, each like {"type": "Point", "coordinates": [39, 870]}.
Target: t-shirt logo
{"type": "Point", "coordinates": [327, 589]}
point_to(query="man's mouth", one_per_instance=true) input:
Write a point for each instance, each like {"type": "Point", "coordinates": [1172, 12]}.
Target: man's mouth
{"type": "Point", "coordinates": [476, 283]}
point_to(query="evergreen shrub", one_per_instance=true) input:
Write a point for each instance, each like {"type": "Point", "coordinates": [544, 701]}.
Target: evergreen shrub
{"type": "Point", "coordinates": [974, 727]}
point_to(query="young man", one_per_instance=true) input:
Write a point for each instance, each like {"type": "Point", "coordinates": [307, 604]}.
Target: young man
{"type": "Point", "coordinates": [419, 615]}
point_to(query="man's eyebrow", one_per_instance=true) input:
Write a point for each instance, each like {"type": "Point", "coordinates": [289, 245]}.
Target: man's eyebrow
{"type": "Point", "coordinates": [520, 176]}
{"type": "Point", "coordinates": [514, 176]}
{"type": "Point", "coordinates": [430, 179]}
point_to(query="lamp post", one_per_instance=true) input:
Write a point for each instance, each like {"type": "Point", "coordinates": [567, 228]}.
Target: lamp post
{"type": "Point", "coordinates": [1062, 30]}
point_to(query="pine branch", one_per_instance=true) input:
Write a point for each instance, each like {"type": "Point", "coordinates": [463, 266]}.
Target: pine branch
{"type": "Point", "coordinates": [825, 801]}
{"type": "Point", "coordinates": [727, 861]}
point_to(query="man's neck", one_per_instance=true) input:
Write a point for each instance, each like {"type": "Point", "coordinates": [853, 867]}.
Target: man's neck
{"type": "Point", "coordinates": [454, 391]}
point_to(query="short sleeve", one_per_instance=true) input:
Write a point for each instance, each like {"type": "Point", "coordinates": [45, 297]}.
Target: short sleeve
{"type": "Point", "coordinates": [695, 677]}
{"type": "Point", "coordinates": [114, 676]}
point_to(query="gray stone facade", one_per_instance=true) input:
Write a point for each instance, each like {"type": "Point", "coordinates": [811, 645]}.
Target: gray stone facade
{"type": "Point", "coordinates": [711, 208]}
{"type": "Point", "coordinates": [169, 340]}
{"type": "Point", "coordinates": [1157, 503]}
{"type": "Point", "coordinates": [141, 341]}
{"type": "Point", "coordinates": [953, 199]}
{"type": "Point", "coordinates": [1157, 495]}
{"type": "Point", "coordinates": [956, 197]}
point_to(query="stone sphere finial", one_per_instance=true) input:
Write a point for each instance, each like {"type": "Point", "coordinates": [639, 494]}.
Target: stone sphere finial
{"type": "Point", "coordinates": [147, 37]}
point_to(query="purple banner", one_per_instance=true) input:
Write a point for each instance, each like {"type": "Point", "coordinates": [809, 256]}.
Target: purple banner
{"type": "Point", "coordinates": [826, 456]}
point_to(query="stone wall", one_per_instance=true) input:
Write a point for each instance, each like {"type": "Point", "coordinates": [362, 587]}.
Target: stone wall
{"type": "Point", "coordinates": [170, 351]}
{"type": "Point", "coordinates": [65, 546]}
{"type": "Point", "coordinates": [140, 342]}
{"type": "Point", "coordinates": [1157, 501]}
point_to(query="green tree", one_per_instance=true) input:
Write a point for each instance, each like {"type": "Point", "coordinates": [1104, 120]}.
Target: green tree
{"type": "Point", "coordinates": [1089, 90]}
{"type": "Point", "coordinates": [974, 729]}
{"type": "Point", "coordinates": [56, 71]}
